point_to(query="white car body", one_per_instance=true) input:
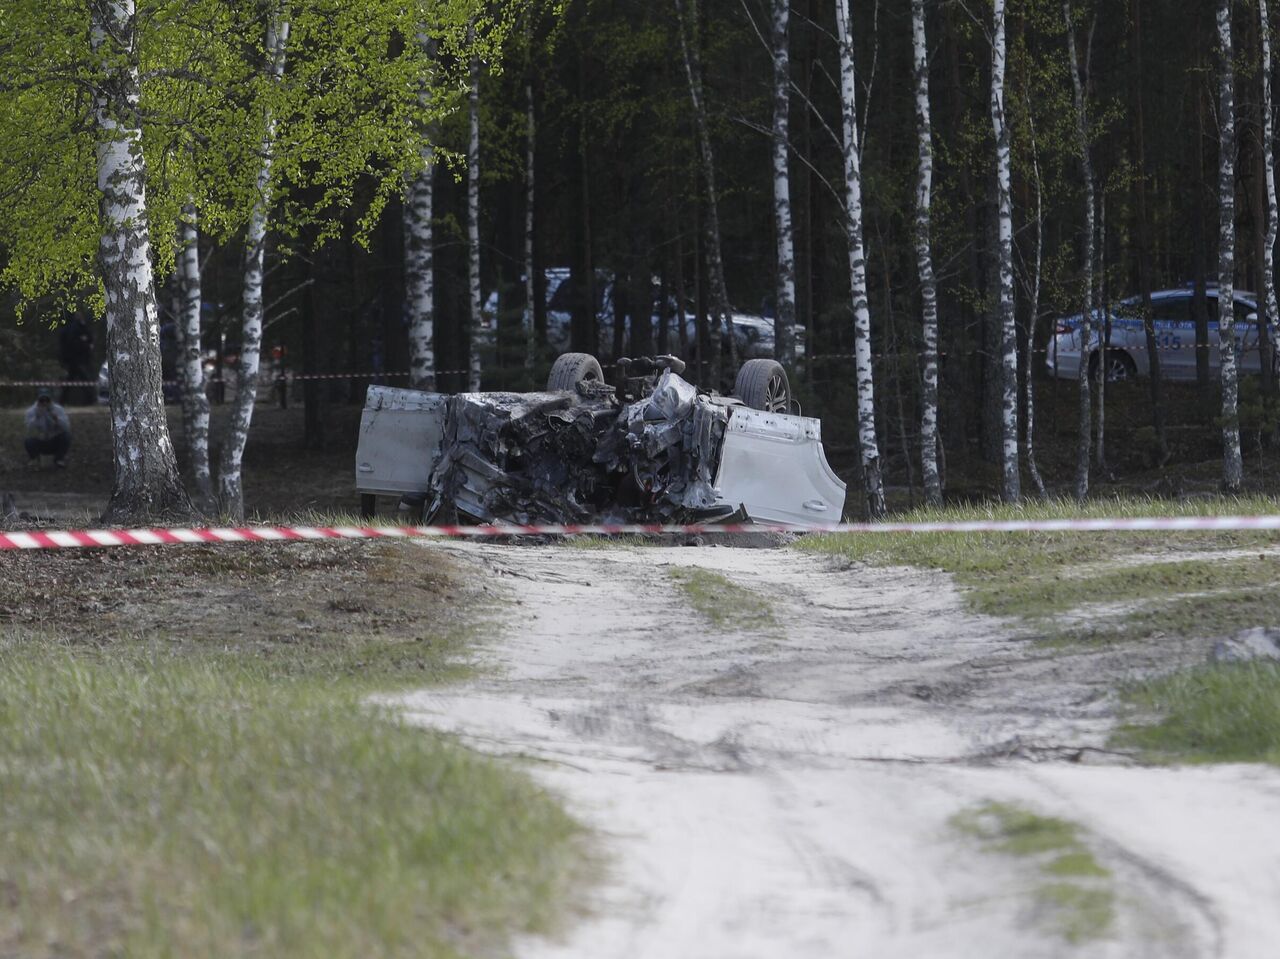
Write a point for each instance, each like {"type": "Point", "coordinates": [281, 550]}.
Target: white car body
{"type": "Point", "coordinates": [771, 464]}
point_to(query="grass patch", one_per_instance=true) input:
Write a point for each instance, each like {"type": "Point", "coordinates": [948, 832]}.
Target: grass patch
{"type": "Point", "coordinates": [1227, 712]}
{"type": "Point", "coordinates": [1038, 576]}
{"type": "Point", "coordinates": [1073, 886]}
{"type": "Point", "coordinates": [190, 766]}
{"type": "Point", "coordinates": [722, 601]}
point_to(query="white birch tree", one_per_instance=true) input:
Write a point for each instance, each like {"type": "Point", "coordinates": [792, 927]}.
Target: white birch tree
{"type": "Point", "coordinates": [1232, 467]}
{"type": "Point", "coordinates": [924, 262]}
{"type": "Point", "coordinates": [146, 482]}
{"type": "Point", "coordinates": [873, 486]}
{"type": "Point", "coordinates": [1010, 479]}
{"type": "Point", "coordinates": [419, 250]}
{"type": "Point", "coordinates": [721, 312]}
{"type": "Point", "coordinates": [1084, 448]}
{"type": "Point", "coordinates": [230, 484]}
{"type": "Point", "coordinates": [785, 310]}
{"type": "Point", "coordinates": [195, 402]}
{"type": "Point", "coordinates": [477, 324]}
{"type": "Point", "coordinates": [1270, 312]}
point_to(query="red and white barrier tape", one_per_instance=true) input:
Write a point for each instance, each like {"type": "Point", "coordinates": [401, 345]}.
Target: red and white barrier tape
{"type": "Point", "coordinates": [81, 539]}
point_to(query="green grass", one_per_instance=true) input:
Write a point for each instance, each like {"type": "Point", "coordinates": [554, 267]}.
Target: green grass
{"type": "Point", "coordinates": [1072, 885]}
{"type": "Point", "coordinates": [726, 604]}
{"type": "Point", "coordinates": [1036, 577]}
{"type": "Point", "coordinates": [1228, 712]}
{"type": "Point", "coordinates": [219, 786]}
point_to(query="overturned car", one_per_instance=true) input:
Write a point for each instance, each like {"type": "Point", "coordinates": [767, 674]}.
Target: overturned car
{"type": "Point", "coordinates": [652, 449]}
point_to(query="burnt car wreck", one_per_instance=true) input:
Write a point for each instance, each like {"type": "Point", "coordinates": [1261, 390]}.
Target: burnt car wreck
{"type": "Point", "coordinates": [652, 449]}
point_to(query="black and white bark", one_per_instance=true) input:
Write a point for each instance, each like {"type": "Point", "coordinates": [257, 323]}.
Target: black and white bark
{"type": "Point", "coordinates": [924, 262]}
{"type": "Point", "coordinates": [785, 312]}
{"type": "Point", "coordinates": [1270, 313]}
{"type": "Point", "coordinates": [721, 313]}
{"type": "Point", "coordinates": [1104, 347]}
{"type": "Point", "coordinates": [530, 195]}
{"type": "Point", "coordinates": [230, 463]}
{"type": "Point", "coordinates": [195, 401]}
{"type": "Point", "coordinates": [1084, 447]}
{"type": "Point", "coordinates": [477, 324]}
{"type": "Point", "coordinates": [419, 256]}
{"type": "Point", "coordinates": [867, 442]}
{"type": "Point", "coordinates": [145, 478]}
{"type": "Point", "coordinates": [1010, 478]}
{"type": "Point", "coordinates": [1232, 468]}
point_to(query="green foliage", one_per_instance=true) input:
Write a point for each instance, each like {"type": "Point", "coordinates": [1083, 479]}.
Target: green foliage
{"type": "Point", "coordinates": [358, 94]}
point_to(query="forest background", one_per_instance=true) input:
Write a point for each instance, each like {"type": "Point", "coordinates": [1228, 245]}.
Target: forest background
{"type": "Point", "coordinates": [594, 121]}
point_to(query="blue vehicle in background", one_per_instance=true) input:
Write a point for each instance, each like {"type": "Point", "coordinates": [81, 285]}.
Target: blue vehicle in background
{"type": "Point", "coordinates": [1173, 315]}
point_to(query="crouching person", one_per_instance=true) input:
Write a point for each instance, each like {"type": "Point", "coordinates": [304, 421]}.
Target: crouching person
{"type": "Point", "coordinates": [48, 431]}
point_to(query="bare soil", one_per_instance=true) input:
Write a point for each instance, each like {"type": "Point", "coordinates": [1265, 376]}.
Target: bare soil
{"type": "Point", "coordinates": [789, 787]}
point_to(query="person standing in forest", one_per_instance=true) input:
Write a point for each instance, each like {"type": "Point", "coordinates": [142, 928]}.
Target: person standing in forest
{"type": "Point", "coordinates": [48, 431]}
{"type": "Point", "coordinates": [75, 352]}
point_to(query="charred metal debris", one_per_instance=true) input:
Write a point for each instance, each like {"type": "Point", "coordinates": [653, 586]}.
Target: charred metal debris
{"type": "Point", "coordinates": [586, 455]}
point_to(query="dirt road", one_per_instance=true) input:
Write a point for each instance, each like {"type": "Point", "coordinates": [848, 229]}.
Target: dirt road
{"type": "Point", "coordinates": [788, 788]}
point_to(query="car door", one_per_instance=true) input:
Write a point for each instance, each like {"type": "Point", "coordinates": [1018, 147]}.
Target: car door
{"type": "Point", "coordinates": [1175, 334]}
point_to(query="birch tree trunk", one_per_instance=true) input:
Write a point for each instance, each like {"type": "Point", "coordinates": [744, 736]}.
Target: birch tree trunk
{"type": "Point", "coordinates": [1085, 419]}
{"type": "Point", "coordinates": [145, 480]}
{"type": "Point", "coordinates": [230, 482]}
{"type": "Point", "coordinates": [1105, 333]}
{"type": "Point", "coordinates": [1232, 468]}
{"type": "Point", "coordinates": [785, 310]}
{"type": "Point", "coordinates": [473, 226]}
{"type": "Point", "coordinates": [924, 262]}
{"type": "Point", "coordinates": [530, 288]}
{"type": "Point", "coordinates": [721, 312]}
{"type": "Point", "coordinates": [867, 442]}
{"type": "Point", "coordinates": [1011, 481]}
{"type": "Point", "coordinates": [195, 402]}
{"type": "Point", "coordinates": [419, 259]}
{"type": "Point", "coordinates": [1270, 312]}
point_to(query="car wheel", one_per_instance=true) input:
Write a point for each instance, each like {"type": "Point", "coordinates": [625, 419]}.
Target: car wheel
{"type": "Point", "coordinates": [1120, 366]}
{"type": "Point", "coordinates": [762, 385]}
{"type": "Point", "coordinates": [570, 369]}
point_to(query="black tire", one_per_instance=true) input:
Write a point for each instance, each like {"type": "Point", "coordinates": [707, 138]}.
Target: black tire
{"type": "Point", "coordinates": [368, 505]}
{"type": "Point", "coordinates": [1120, 366]}
{"type": "Point", "coordinates": [762, 385]}
{"type": "Point", "coordinates": [570, 369]}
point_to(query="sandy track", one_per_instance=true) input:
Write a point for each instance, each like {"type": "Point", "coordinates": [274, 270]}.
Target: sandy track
{"type": "Point", "coordinates": [786, 791]}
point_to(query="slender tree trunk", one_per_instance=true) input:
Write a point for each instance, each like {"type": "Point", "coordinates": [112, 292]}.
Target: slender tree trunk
{"type": "Point", "coordinates": [1011, 481]}
{"type": "Point", "coordinates": [145, 481]}
{"type": "Point", "coordinates": [230, 481]}
{"type": "Point", "coordinates": [785, 312]}
{"type": "Point", "coordinates": [867, 442]}
{"type": "Point", "coordinates": [195, 402]}
{"type": "Point", "coordinates": [1232, 469]}
{"type": "Point", "coordinates": [1085, 445]}
{"type": "Point", "coordinates": [924, 262]}
{"type": "Point", "coordinates": [1144, 236]}
{"type": "Point", "coordinates": [1103, 353]}
{"type": "Point", "coordinates": [1270, 313]}
{"type": "Point", "coordinates": [419, 259]}
{"type": "Point", "coordinates": [530, 292]}
{"type": "Point", "coordinates": [1029, 393]}
{"type": "Point", "coordinates": [721, 312]}
{"type": "Point", "coordinates": [477, 324]}
{"type": "Point", "coordinates": [1200, 300]}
